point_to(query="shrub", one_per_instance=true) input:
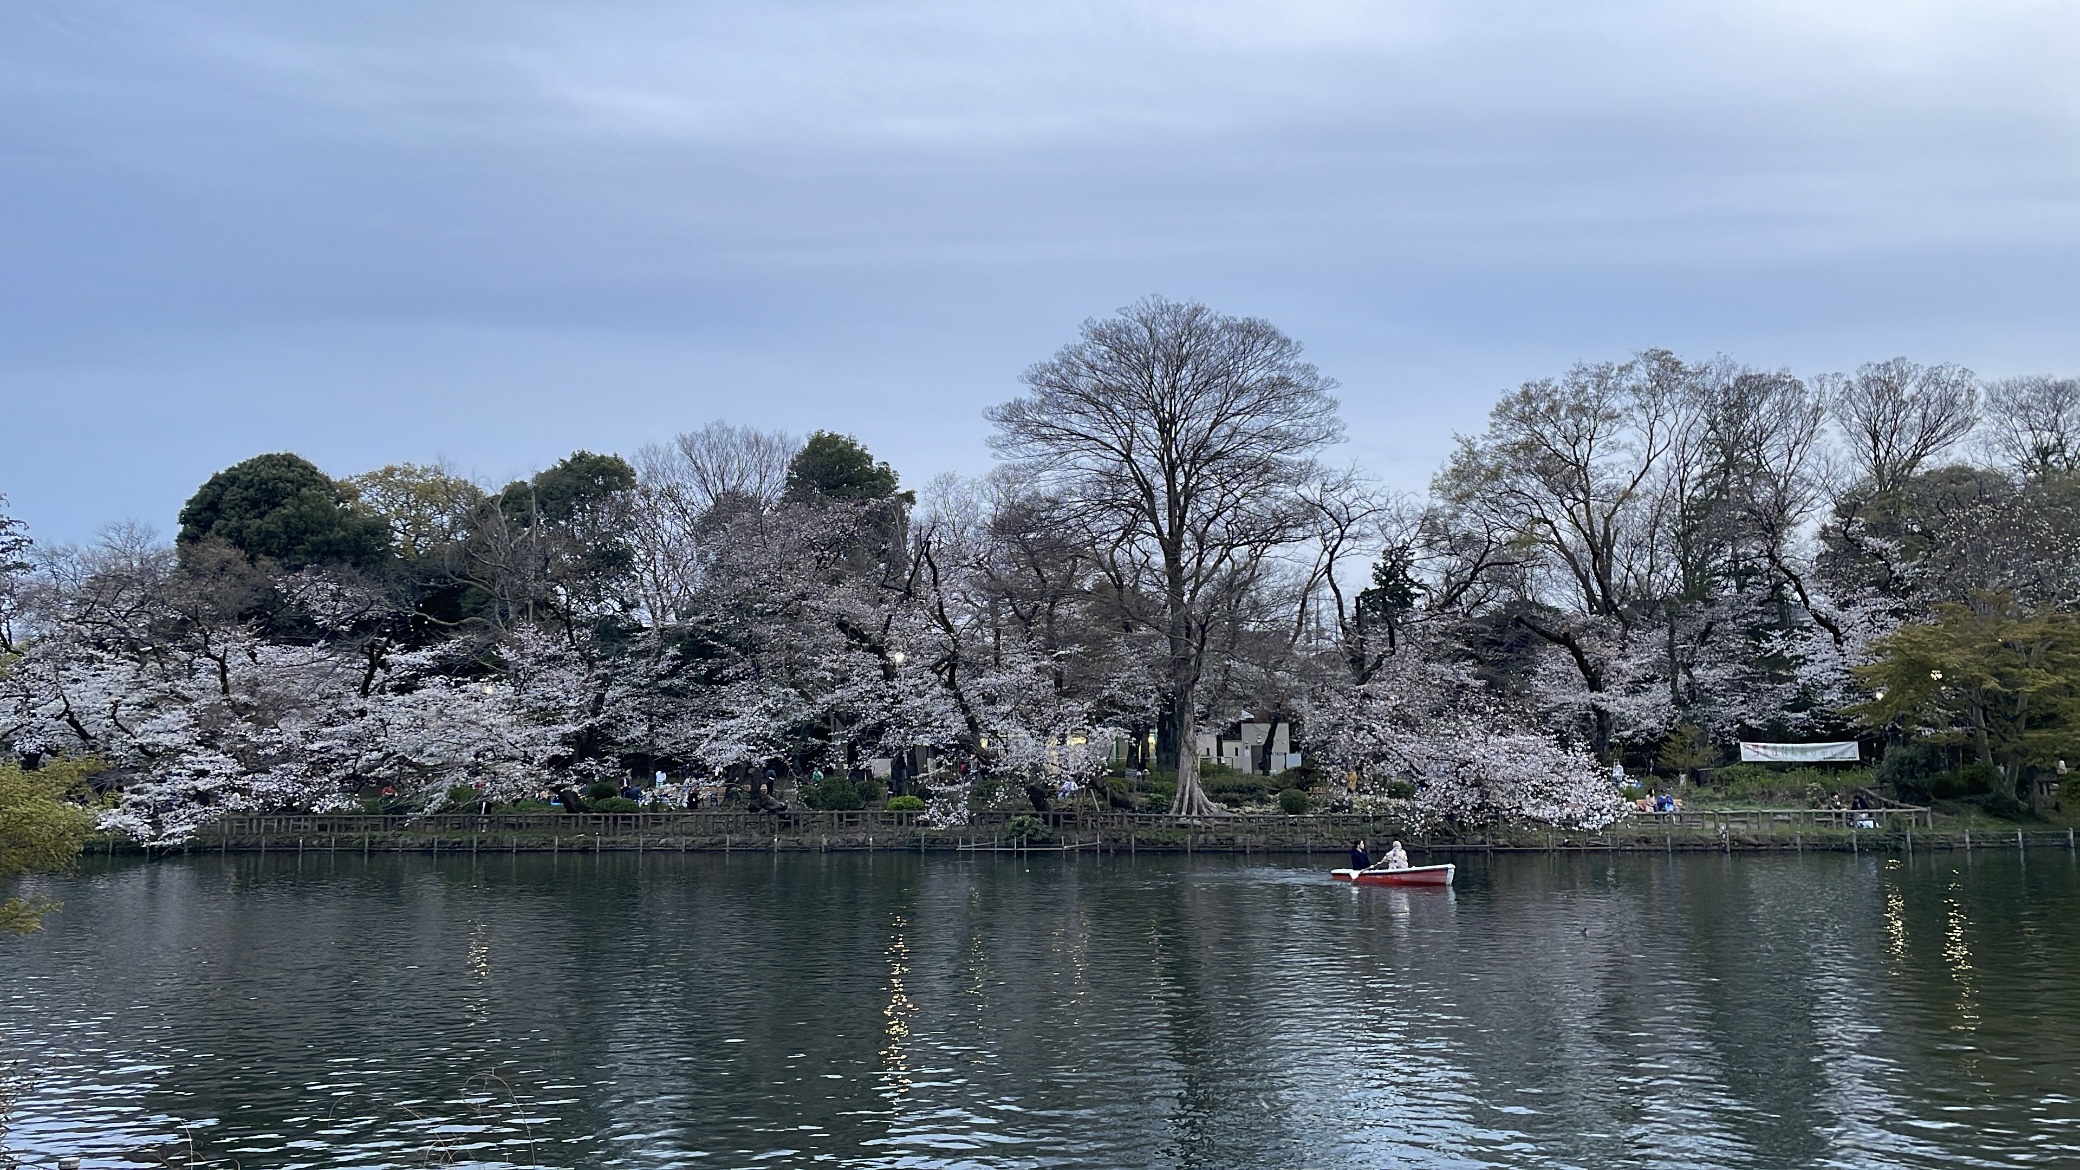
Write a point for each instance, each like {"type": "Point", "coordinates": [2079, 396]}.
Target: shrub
{"type": "Point", "coordinates": [835, 793]}
{"type": "Point", "coordinates": [1787, 782]}
{"type": "Point", "coordinates": [1305, 777]}
{"type": "Point", "coordinates": [463, 794]}
{"type": "Point", "coordinates": [2003, 804]}
{"type": "Point", "coordinates": [1910, 771]}
{"type": "Point", "coordinates": [528, 806]}
{"type": "Point", "coordinates": [1984, 778]}
{"type": "Point", "coordinates": [1747, 777]}
{"type": "Point", "coordinates": [1292, 802]}
{"type": "Point", "coordinates": [1398, 789]}
{"type": "Point", "coordinates": [1031, 830]}
{"type": "Point", "coordinates": [613, 804]}
{"type": "Point", "coordinates": [1235, 789]}
{"type": "Point", "coordinates": [1970, 780]}
{"type": "Point", "coordinates": [906, 804]}
{"type": "Point", "coordinates": [601, 790]}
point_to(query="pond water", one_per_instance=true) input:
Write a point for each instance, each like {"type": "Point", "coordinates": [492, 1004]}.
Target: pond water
{"type": "Point", "coordinates": [894, 1010]}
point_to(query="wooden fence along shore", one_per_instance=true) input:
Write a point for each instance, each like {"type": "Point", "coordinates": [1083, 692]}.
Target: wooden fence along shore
{"type": "Point", "coordinates": [1883, 831]}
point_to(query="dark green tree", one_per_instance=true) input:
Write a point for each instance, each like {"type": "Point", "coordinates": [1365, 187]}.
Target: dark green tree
{"type": "Point", "coordinates": [571, 491]}
{"type": "Point", "coordinates": [282, 508]}
{"type": "Point", "coordinates": [557, 545]}
{"type": "Point", "coordinates": [1988, 672]}
{"type": "Point", "coordinates": [1392, 595]}
{"type": "Point", "coordinates": [836, 467]}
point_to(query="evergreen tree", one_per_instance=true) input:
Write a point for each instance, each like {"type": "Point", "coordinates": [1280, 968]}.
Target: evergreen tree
{"type": "Point", "coordinates": [282, 508]}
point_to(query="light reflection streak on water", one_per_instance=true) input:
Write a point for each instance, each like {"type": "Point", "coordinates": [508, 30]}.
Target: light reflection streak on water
{"type": "Point", "coordinates": [1850, 1025]}
{"type": "Point", "coordinates": [1957, 954]}
{"type": "Point", "coordinates": [895, 1060]}
{"type": "Point", "coordinates": [1895, 913]}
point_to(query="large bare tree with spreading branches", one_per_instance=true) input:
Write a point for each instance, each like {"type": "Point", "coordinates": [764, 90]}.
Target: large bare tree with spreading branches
{"type": "Point", "coordinates": [1898, 415]}
{"type": "Point", "coordinates": [1182, 438]}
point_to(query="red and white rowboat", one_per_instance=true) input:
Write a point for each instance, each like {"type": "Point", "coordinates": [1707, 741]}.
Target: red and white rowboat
{"type": "Point", "coordinates": [1416, 875]}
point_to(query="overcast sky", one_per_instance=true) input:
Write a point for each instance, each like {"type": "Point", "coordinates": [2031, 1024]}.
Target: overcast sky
{"type": "Point", "coordinates": [494, 232]}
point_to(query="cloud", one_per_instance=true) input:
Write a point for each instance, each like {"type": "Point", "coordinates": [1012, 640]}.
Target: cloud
{"type": "Point", "coordinates": [922, 197]}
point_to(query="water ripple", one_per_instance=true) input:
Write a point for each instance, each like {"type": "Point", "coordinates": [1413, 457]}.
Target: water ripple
{"type": "Point", "coordinates": [895, 1011]}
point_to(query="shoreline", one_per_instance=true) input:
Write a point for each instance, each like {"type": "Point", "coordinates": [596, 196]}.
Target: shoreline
{"type": "Point", "coordinates": [1738, 831]}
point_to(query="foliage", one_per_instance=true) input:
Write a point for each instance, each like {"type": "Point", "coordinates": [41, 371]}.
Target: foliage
{"type": "Point", "coordinates": [2006, 805]}
{"type": "Point", "coordinates": [835, 792]}
{"type": "Point", "coordinates": [836, 467]}
{"type": "Point", "coordinates": [282, 508]}
{"type": "Point", "coordinates": [1910, 769]}
{"type": "Point", "coordinates": [429, 510]}
{"type": "Point", "coordinates": [41, 830]}
{"type": "Point", "coordinates": [1639, 561]}
{"type": "Point", "coordinates": [614, 804]}
{"type": "Point", "coordinates": [1988, 672]}
{"type": "Point", "coordinates": [1970, 780]}
{"type": "Point", "coordinates": [1787, 784]}
{"type": "Point", "coordinates": [906, 803]}
{"type": "Point", "coordinates": [1028, 830]}
{"type": "Point", "coordinates": [1686, 749]}
{"type": "Point", "coordinates": [1292, 802]}
{"type": "Point", "coordinates": [1235, 789]}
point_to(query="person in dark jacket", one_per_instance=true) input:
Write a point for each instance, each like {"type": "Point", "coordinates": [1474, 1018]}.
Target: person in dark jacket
{"type": "Point", "coordinates": [1359, 858]}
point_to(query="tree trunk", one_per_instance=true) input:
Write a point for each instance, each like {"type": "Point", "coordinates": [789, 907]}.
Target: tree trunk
{"type": "Point", "coordinates": [1190, 800]}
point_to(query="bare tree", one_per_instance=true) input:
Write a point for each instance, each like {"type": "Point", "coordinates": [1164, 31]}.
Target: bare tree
{"type": "Point", "coordinates": [14, 553]}
{"type": "Point", "coordinates": [2034, 423]}
{"type": "Point", "coordinates": [1186, 436]}
{"type": "Point", "coordinates": [1898, 415]}
{"type": "Point", "coordinates": [720, 461]}
{"type": "Point", "coordinates": [1573, 467]}
{"type": "Point", "coordinates": [1350, 521]}
{"type": "Point", "coordinates": [1579, 470]}
{"type": "Point", "coordinates": [687, 492]}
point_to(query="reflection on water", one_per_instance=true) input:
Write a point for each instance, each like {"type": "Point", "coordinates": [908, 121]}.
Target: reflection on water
{"type": "Point", "coordinates": [892, 1010]}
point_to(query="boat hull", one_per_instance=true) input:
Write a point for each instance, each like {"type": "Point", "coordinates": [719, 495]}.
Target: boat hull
{"type": "Point", "coordinates": [1418, 875]}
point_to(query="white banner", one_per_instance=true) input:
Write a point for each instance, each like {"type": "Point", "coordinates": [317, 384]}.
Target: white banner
{"type": "Point", "coordinates": [1799, 753]}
